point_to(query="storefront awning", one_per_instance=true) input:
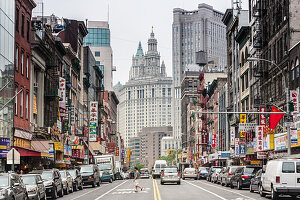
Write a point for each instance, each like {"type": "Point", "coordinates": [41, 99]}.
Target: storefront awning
{"type": "Point", "coordinates": [27, 152]}
{"type": "Point", "coordinates": [95, 146]}
{"type": "Point", "coordinates": [41, 146]}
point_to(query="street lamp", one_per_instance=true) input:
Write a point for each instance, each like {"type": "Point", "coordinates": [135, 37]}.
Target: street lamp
{"type": "Point", "coordinates": [287, 96]}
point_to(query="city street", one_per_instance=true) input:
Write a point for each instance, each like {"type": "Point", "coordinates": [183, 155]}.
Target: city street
{"type": "Point", "coordinates": [189, 189]}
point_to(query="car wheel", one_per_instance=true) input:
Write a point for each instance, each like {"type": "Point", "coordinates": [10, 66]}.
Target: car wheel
{"type": "Point", "coordinates": [61, 193]}
{"type": "Point", "coordinates": [72, 189]}
{"type": "Point", "coordinates": [178, 183]}
{"type": "Point", "coordinates": [45, 197]}
{"type": "Point", "coordinates": [250, 188]}
{"type": "Point", "coordinates": [75, 187]}
{"type": "Point", "coordinates": [38, 196]}
{"type": "Point", "coordinates": [274, 195]}
{"type": "Point", "coordinates": [93, 184]}
{"type": "Point", "coordinates": [26, 196]}
{"type": "Point", "coordinates": [183, 178]}
{"type": "Point", "coordinates": [261, 191]}
{"type": "Point", "coordinates": [98, 184]}
{"type": "Point", "coordinates": [54, 195]}
{"type": "Point", "coordinates": [231, 185]}
{"type": "Point", "coordinates": [80, 187]}
{"type": "Point", "coordinates": [161, 183]}
{"type": "Point", "coordinates": [110, 180]}
{"type": "Point", "coordinates": [239, 186]}
{"type": "Point", "coordinates": [66, 192]}
{"type": "Point", "coordinates": [195, 178]}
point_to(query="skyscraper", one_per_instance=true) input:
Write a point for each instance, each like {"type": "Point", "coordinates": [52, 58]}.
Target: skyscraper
{"type": "Point", "coordinates": [145, 100]}
{"type": "Point", "coordinates": [98, 39]}
{"type": "Point", "coordinates": [194, 31]}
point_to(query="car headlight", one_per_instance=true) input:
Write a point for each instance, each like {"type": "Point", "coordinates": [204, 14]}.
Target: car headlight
{"type": "Point", "coordinates": [32, 189]}
{"type": "Point", "coordinates": [48, 183]}
{"type": "Point", "coordinates": [4, 192]}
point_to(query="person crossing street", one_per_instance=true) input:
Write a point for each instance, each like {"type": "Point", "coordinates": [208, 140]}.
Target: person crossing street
{"type": "Point", "coordinates": [135, 181]}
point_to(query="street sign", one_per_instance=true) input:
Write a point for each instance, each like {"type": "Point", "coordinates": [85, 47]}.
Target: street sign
{"type": "Point", "coordinates": [10, 157]}
{"type": "Point", "coordinates": [246, 127]}
{"type": "Point", "coordinates": [288, 118]}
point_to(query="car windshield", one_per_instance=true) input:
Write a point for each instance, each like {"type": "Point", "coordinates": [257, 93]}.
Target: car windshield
{"type": "Point", "coordinates": [203, 171]}
{"type": "Point", "coordinates": [233, 169]}
{"type": "Point", "coordinates": [104, 166]}
{"type": "Point", "coordinates": [144, 172]}
{"type": "Point", "coordinates": [218, 169]}
{"type": "Point", "coordinates": [47, 176]}
{"type": "Point", "coordinates": [63, 174]}
{"type": "Point", "coordinates": [73, 173]}
{"type": "Point", "coordinates": [190, 169]}
{"type": "Point", "coordinates": [86, 169]}
{"type": "Point", "coordinates": [250, 171]}
{"type": "Point", "coordinates": [170, 170]}
{"type": "Point", "coordinates": [29, 180]}
{"type": "Point", "coordinates": [3, 181]}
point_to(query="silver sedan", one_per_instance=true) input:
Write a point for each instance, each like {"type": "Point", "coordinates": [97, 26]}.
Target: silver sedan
{"type": "Point", "coordinates": [170, 175]}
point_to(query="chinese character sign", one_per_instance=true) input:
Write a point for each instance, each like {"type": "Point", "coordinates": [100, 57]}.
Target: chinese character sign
{"type": "Point", "coordinates": [294, 96]}
{"type": "Point", "coordinates": [62, 89]}
{"type": "Point", "coordinates": [94, 112]}
{"type": "Point", "coordinates": [259, 138]}
{"type": "Point", "coordinates": [213, 141]}
{"type": "Point", "coordinates": [232, 135]}
{"type": "Point", "coordinates": [72, 114]}
{"type": "Point", "coordinates": [243, 118]}
{"type": "Point", "coordinates": [236, 146]}
{"type": "Point", "coordinates": [262, 117]}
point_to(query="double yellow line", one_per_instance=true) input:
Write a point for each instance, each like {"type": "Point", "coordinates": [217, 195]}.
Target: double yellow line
{"type": "Point", "coordinates": [156, 190]}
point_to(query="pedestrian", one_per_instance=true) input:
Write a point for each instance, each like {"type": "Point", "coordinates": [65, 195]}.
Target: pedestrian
{"type": "Point", "coordinates": [137, 176]}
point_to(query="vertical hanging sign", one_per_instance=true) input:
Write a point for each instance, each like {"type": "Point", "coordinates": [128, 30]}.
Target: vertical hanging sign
{"type": "Point", "coordinates": [259, 138]}
{"type": "Point", "coordinates": [62, 89]}
{"type": "Point", "coordinates": [232, 135]}
{"type": "Point", "coordinates": [294, 96]}
{"type": "Point", "coordinates": [237, 146]}
{"type": "Point", "coordinates": [93, 121]}
{"type": "Point", "coordinates": [262, 117]}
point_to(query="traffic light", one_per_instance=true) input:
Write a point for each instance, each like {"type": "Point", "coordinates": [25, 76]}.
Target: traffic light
{"type": "Point", "coordinates": [291, 106]}
{"type": "Point", "coordinates": [168, 151]}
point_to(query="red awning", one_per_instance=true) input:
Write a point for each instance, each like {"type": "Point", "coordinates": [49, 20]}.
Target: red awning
{"type": "Point", "coordinates": [26, 152]}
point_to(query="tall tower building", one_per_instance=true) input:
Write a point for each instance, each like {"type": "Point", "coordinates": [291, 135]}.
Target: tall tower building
{"type": "Point", "coordinates": [98, 39]}
{"type": "Point", "coordinates": [145, 100]}
{"type": "Point", "coordinates": [194, 31]}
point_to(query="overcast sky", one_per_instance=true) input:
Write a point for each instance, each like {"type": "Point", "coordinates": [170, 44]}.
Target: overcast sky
{"type": "Point", "coordinates": [130, 22]}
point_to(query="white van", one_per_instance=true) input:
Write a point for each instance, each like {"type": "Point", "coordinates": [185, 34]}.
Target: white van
{"type": "Point", "coordinates": [281, 177]}
{"type": "Point", "coordinates": [159, 165]}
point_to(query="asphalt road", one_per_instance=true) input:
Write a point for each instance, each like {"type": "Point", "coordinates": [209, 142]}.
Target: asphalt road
{"type": "Point", "coordinates": [189, 189]}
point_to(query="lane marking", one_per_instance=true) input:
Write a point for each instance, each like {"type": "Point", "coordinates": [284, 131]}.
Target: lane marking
{"type": "Point", "coordinates": [110, 190]}
{"type": "Point", "coordinates": [89, 192]}
{"type": "Point", "coordinates": [154, 190]}
{"type": "Point", "coordinates": [206, 190]}
{"type": "Point", "coordinates": [228, 190]}
{"type": "Point", "coordinates": [157, 190]}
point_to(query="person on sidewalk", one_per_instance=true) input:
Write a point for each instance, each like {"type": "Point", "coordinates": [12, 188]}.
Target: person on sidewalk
{"type": "Point", "coordinates": [137, 176]}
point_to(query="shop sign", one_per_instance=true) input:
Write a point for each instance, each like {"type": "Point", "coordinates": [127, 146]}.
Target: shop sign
{"type": "Point", "coordinates": [243, 118]}
{"type": "Point", "coordinates": [294, 97]}
{"type": "Point", "coordinates": [62, 89]}
{"type": "Point", "coordinates": [4, 147]}
{"type": "Point", "coordinates": [51, 149]}
{"type": "Point", "coordinates": [242, 134]}
{"type": "Point", "coordinates": [58, 146]}
{"type": "Point", "coordinates": [67, 150]}
{"type": "Point", "coordinates": [247, 127]}
{"type": "Point", "coordinates": [261, 155]}
{"type": "Point", "coordinates": [254, 162]}
{"type": "Point", "coordinates": [225, 154]}
{"type": "Point", "coordinates": [280, 141]}
{"type": "Point", "coordinates": [250, 148]}
{"type": "Point", "coordinates": [269, 142]}
{"type": "Point", "coordinates": [23, 134]}
{"type": "Point", "coordinates": [242, 149]}
{"type": "Point", "coordinates": [294, 136]}
{"type": "Point", "coordinates": [232, 135]}
{"type": "Point", "coordinates": [213, 141]}
{"type": "Point", "coordinates": [35, 106]}
{"type": "Point", "coordinates": [123, 154]}
{"type": "Point", "coordinates": [102, 131]}
{"type": "Point", "coordinates": [94, 112]}
{"type": "Point", "coordinates": [117, 151]}
{"type": "Point", "coordinates": [59, 126]}
{"type": "Point", "coordinates": [262, 117]}
{"type": "Point", "coordinates": [298, 140]}
{"type": "Point", "coordinates": [65, 126]}
{"type": "Point", "coordinates": [72, 113]}
{"type": "Point", "coordinates": [86, 131]}
{"type": "Point", "coordinates": [93, 132]}
{"type": "Point", "coordinates": [19, 142]}
{"type": "Point", "coordinates": [259, 138]}
{"type": "Point", "coordinates": [237, 147]}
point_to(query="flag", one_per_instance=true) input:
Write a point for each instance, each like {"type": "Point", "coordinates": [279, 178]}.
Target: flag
{"type": "Point", "coordinates": [274, 118]}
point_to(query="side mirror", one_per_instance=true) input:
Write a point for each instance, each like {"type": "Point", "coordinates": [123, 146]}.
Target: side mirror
{"type": "Point", "coordinates": [16, 184]}
{"type": "Point", "coordinates": [40, 182]}
{"type": "Point", "coordinates": [56, 177]}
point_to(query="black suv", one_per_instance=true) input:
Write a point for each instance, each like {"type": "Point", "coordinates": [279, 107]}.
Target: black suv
{"type": "Point", "coordinates": [242, 176]}
{"type": "Point", "coordinates": [77, 179]}
{"type": "Point", "coordinates": [52, 182]}
{"type": "Point", "coordinates": [90, 175]}
{"type": "Point", "coordinates": [12, 187]}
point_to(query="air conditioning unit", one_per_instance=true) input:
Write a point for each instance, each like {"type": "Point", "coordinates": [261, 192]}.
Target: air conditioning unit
{"type": "Point", "coordinates": [35, 85]}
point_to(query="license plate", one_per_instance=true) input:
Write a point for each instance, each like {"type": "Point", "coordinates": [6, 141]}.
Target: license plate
{"type": "Point", "coordinates": [82, 183]}
{"type": "Point", "coordinates": [298, 180]}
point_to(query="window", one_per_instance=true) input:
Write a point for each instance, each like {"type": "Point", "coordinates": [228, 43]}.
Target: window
{"type": "Point", "coordinates": [27, 105]}
{"type": "Point", "coordinates": [97, 53]}
{"type": "Point", "coordinates": [17, 19]}
{"type": "Point", "coordinates": [153, 95]}
{"type": "Point", "coordinates": [16, 101]}
{"type": "Point", "coordinates": [28, 30]}
{"type": "Point", "coordinates": [21, 103]}
{"type": "Point", "coordinates": [17, 58]}
{"type": "Point", "coordinates": [288, 167]}
{"type": "Point", "coordinates": [27, 67]}
{"type": "Point", "coordinates": [23, 23]}
{"type": "Point", "coordinates": [22, 62]}
{"type": "Point", "coordinates": [97, 63]}
{"type": "Point", "coordinates": [164, 92]}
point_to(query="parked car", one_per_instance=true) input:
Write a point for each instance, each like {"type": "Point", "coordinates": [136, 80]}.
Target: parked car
{"type": "Point", "coordinates": [255, 182]}
{"type": "Point", "coordinates": [220, 175]}
{"type": "Point", "coordinates": [52, 182]}
{"type": "Point", "coordinates": [159, 165]}
{"type": "Point", "coordinates": [106, 176]}
{"type": "Point", "coordinates": [228, 173]}
{"type": "Point", "coordinates": [202, 173]}
{"type": "Point", "coordinates": [214, 176]}
{"type": "Point", "coordinates": [211, 171]}
{"type": "Point", "coordinates": [144, 173]}
{"type": "Point", "coordinates": [67, 181]}
{"type": "Point", "coordinates": [190, 173]}
{"type": "Point", "coordinates": [281, 176]}
{"type": "Point", "coordinates": [34, 186]}
{"type": "Point", "coordinates": [242, 176]}
{"type": "Point", "coordinates": [170, 175]}
{"type": "Point", "coordinates": [77, 179]}
{"type": "Point", "coordinates": [90, 175]}
{"type": "Point", "coordinates": [12, 187]}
